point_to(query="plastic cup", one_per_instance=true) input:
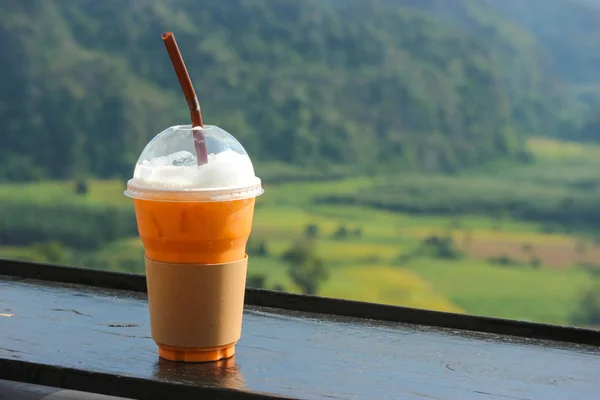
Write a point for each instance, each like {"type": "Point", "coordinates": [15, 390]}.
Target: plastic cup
{"type": "Point", "coordinates": [194, 223]}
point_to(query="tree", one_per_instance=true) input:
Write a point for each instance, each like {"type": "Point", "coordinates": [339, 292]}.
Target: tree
{"type": "Point", "coordinates": [262, 249]}
{"type": "Point", "coordinates": [257, 247]}
{"type": "Point", "coordinates": [256, 281]}
{"type": "Point", "coordinates": [503, 260]}
{"type": "Point", "coordinates": [442, 247]}
{"type": "Point", "coordinates": [311, 231]}
{"type": "Point", "coordinates": [81, 186]}
{"type": "Point", "coordinates": [341, 233]}
{"type": "Point", "coordinates": [589, 307]}
{"type": "Point", "coordinates": [52, 252]}
{"type": "Point", "coordinates": [305, 268]}
{"type": "Point", "coordinates": [535, 262]}
{"type": "Point", "coordinates": [278, 287]}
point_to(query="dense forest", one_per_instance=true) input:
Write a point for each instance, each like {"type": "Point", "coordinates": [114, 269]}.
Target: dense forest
{"type": "Point", "coordinates": [433, 85]}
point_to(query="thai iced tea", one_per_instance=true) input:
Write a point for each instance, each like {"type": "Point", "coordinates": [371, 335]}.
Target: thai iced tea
{"type": "Point", "coordinates": [194, 222]}
{"type": "Point", "coordinates": [195, 232]}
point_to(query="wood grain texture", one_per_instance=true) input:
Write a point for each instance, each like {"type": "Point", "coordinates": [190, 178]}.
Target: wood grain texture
{"type": "Point", "coordinates": [93, 334]}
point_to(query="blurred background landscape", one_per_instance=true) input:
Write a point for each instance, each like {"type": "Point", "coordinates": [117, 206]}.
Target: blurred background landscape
{"type": "Point", "coordinates": [441, 154]}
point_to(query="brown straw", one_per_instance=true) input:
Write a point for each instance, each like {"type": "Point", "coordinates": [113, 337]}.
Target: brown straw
{"type": "Point", "coordinates": [190, 95]}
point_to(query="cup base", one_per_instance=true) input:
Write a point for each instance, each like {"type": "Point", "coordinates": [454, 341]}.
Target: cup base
{"type": "Point", "coordinates": [195, 354]}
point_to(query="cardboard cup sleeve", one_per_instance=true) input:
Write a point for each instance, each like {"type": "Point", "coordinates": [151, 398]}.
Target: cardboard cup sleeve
{"type": "Point", "coordinates": [196, 305]}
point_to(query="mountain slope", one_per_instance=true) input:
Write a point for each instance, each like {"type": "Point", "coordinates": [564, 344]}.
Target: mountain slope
{"type": "Point", "coordinates": [569, 32]}
{"type": "Point", "coordinates": [314, 83]}
{"type": "Point", "coordinates": [540, 99]}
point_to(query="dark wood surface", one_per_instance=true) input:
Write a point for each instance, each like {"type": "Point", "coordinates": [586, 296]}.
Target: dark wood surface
{"type": "Point", "coordinates": [98, 340]}
{"type": "Point", "coordinates": [10, 390]}
{"type": "Point", "coordinates": [314, 304]}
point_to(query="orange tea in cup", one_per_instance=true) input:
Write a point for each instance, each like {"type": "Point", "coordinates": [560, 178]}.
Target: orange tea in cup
{"type": "Point", "coordinates": [195, 232]}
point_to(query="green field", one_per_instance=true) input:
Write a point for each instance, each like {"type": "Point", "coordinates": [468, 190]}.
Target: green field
{"type": "Point", "coordinates": [365, 265]}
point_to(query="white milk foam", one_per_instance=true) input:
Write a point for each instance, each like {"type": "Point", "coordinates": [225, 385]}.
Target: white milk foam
{"type": "Point", "coordinates": [179, 170]}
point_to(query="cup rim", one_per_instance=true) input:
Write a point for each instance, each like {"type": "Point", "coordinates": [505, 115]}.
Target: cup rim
{"type": "Point", "coordinates": [146, 192]}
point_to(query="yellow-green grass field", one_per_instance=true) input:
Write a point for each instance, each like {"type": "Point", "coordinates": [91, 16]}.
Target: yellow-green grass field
{"type": "Point", "coordinates": [542, 295]}
{"type": "Point", "coordinates": [560, 150]}
{"type": "Point", "coordinates": [475, 286]}
{"type": "Point", "coordinates": [364, 267]}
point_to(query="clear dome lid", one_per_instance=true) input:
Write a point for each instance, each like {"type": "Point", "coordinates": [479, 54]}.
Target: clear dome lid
{"type": "Point", "coordinates": [168, 168]}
